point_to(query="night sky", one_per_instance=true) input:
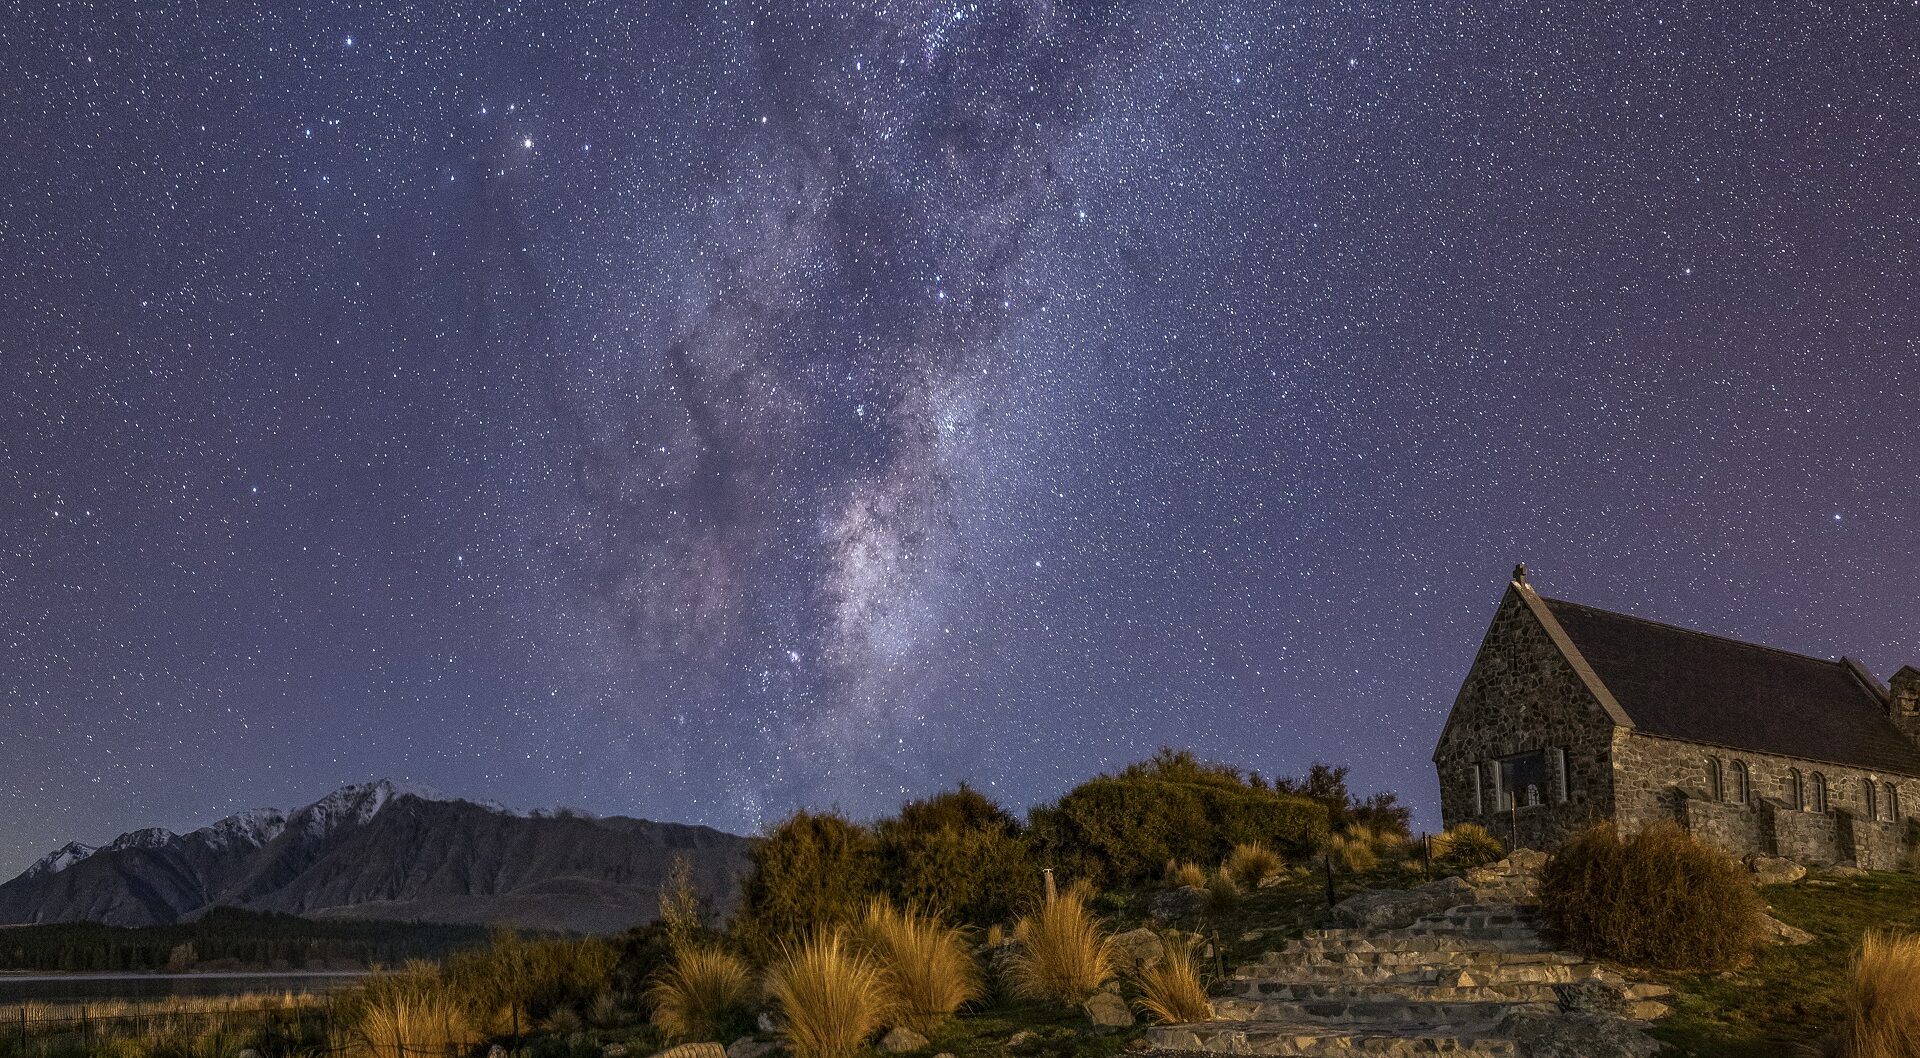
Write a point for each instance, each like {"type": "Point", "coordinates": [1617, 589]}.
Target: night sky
{"type": "Point", "coordinates": [699, 410]}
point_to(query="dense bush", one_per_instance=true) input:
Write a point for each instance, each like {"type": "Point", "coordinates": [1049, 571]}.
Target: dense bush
{"type": "Point", "coordinates": [1381, 813]}
{"type": "Point", "coordinates": [815, 870]}
{"type": "Point", "coordinates": [958, 854]}
{"type": "Point", "coordinates": [1122, 829]}
{"type": "Point", "coordinates": [1657, 898]}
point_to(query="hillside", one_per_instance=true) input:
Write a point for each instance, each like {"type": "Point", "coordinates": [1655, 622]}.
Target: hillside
{"type": "Point", "coordinates": [383, 851]}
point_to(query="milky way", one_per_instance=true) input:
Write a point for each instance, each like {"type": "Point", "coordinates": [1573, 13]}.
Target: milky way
{"type": "Point", "coordinates": [702, 410]}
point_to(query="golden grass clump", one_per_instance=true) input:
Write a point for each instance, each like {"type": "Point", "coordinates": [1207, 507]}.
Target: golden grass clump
{"type": "Point", "coordinates": [1171, 991]}
{"type": "Point", "coordinates": [1222, 891]}
{"type": "Point", "coordinates": [1658, 898]}
{"type": "Point", "coordinates": [1883, 999]}
{"type": "Point", "coordinates": [1064, 954]}
{"type": "Point", "coordinates": [1354, 850]}
{"type": "Point", "coordinates": [1185, 874]}
{"type": "Point", "coordinates": [700, 994]}
{"type": "Point", "coordinates": [1251, 863]}
{"type": "Point", "coordinates": [831, 995]}
{"type": "Point", "coordinates": [929, 970]}
{"type": "Point", "coordinates": [409, 1011]}
{"type": "Point", "coordinates": [1465, 846]}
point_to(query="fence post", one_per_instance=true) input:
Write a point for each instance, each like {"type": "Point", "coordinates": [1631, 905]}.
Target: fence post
{"type": "Point", "coordinates": [1327, 860]}
{"type": "Point", "coordinates": [86, 1035]}
{"type": "Point", "coordinates": [23, 1030]}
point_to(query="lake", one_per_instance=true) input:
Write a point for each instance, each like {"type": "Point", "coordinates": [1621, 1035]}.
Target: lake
{"type": "Point", "coordinates": [84, 988]}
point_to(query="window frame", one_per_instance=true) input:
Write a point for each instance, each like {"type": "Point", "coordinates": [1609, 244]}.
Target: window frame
{"type": "Point", "coordinates": [1742, 783]}
{"type": "Point", "coordinates": [1819, 793]}
{"type": "Point", "coordinates": [1716, 784]}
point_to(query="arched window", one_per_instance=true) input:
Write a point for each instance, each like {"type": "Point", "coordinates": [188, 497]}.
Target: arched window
{"type": "Point", "coordinates": [1819, 792]}
{"type": "Point", "coordinates": [1796, 792]}
{"type": "Point", "coordinates": [1893, 802]}
{"type": "Point", "coordinates": [1716, 790]}
{"type": "Point", "coordinates": [1740, 782]}
{"type": "Point", "coordinates": [1873, 798]}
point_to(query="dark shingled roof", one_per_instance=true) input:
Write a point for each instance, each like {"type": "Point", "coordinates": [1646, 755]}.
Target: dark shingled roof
{"type": "Point", "coordinates": [1704, 688]}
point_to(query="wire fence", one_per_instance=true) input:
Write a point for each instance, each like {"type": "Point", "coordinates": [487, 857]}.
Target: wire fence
{"type": "Point", "coordinates": [267, 1032]}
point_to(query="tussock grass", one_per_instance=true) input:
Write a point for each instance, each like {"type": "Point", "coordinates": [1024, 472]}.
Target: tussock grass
{"type": "Point", "coordinates": [1354, 850]}
{"type": "Point", "coordinates": [1171, 991]}
{"type": "Point", "coordinates": [1883, 999]}
{"type": "Point", "coordinates": [409, 1011]}
{"type": "Point", "coordinates": [831, 996]}
{"type": "Point", "coordinates": [1464, 846]}
{"type": "Point", "coordinates": [1222, 892]}
{"type": "Point", "coordinates": [1188, 874]}
{"type": "Point", "coordinates": [1065, 955]}
{"type": "Point", "coordinates": [929, 970]}
{"type": "Point", "coordinates": [1658, 898]}
{"type": "Point", "coordinates": [703, 992]}
{"type": "Point", "coordinates": [1251, 862]}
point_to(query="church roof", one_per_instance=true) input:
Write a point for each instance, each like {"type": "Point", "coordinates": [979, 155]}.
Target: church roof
{"type": "Point", "coordinates": [1689, 685]}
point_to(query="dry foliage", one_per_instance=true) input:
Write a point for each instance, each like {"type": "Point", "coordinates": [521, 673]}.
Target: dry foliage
{"type": "Point", "coordinates": [1188, 874]}
{"type": "Point", "coordinates": [700, 994]}
{"type": "Point", "coordinates": [1171, 991]}
{"type": "Point", "coordinates": [1883, 1000]}
{"type": "Point", "coordinates": [1251, 862]}
{"type": "Point", "coordinates": [832, 996]}
{"type": "Point", "coordinates": [1064, 954]}
{"type": "Point", "coordinates": [1658, 898]}
{"type": "Point", "coordinates": [1354, 850]}
{"type": "Point", "coordinates": [929, 970]}
{"type": "Point", "coordinates": [410, 1011]}
{"type": "Point", "coordinates": [1222, 893]}
{"type": "Point", "coordinates": [1464, 846]}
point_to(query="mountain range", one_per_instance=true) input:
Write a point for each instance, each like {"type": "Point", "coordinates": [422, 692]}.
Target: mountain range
{"type": "Point", "coordinates": [381, 850]}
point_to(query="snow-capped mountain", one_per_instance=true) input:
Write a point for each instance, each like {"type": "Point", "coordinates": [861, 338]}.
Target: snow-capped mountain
{"type": "Point", "coordinates": [379, 850]}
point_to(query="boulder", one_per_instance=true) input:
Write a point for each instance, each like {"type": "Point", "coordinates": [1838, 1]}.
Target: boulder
{"type": "Point", "coordinates": [614, 1050]}
{"type": "Point", "coordinates": [1843, 870]}
{"type": "Point", "coordinates": [1175, 904]}
{"type": "Point", "coordinates": [1108, 1010]}
{"type": "Point", "coordinates": [748, 1047]}
{"type": "Point", "coordinates": [1024, 1036]}
{"type": "Point", "coordinates": [1774, 870]}
{"type": "Point", "coordinates": [495, 1051]}
{"type": "Point", "coordinates": [902, 1040]}
{"type": "Point", "coordinates": [1591, 996]}
{"type": "Point", "coordinates": [1525, 861]}
{"type": "Point", "coordinates": [1778, 932]}
{"type": "Point", "coordinates": [1136, 950]}
{"type": "Point", "coordinates": [694, 1050]}
{"type": "Point", "coordinates": [1398, 908]}
{"type": "Point", "coordinates": [1553, 1035]}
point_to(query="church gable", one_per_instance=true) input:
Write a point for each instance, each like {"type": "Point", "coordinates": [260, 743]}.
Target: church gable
{"type": "Point", "coordinates": [1527, 742]}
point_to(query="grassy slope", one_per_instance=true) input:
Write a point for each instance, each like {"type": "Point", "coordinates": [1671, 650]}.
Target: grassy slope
{"type": "Point", "coordinates": [1790, 995]}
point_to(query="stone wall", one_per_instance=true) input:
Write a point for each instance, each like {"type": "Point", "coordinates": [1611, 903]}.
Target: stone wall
{"type": "Point", "coordinates": [1522, 695]}
{"type": "Point", "coordinates": [1660, 778]}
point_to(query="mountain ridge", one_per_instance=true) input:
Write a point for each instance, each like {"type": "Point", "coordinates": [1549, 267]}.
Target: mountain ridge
{"type": "Point", "coordinates": [382, 850]}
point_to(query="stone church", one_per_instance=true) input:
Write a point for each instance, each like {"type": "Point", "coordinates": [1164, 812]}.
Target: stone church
{"type": "Point", "coordinates": [1571, 714]}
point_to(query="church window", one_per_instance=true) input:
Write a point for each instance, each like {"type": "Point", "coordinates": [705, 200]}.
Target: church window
{"type": "Point", "coordinates": [1873, 798]}
{"type": "Point", "coordinates": [1560, 772]}
{"type": "Point", "coordinates": [1740, 782]}
{"type": "Point", "coordinates": [1479, 807]}
{"type": "Point", "coordinates": [1796, 791]}
{"type": "Point", "coordinates": [1893, 802]}
{"type": "Point", "coordinates": [1716, 790]}
{"type": "Point", "coordinates": [1523, 779]}
{"type": "Point", "coordinates": [1819, 793]}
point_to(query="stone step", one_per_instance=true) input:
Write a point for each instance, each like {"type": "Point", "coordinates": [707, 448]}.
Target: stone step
{"type": "Point", "coordinates": [1466, 973]}
{"type": "Point", "coordinates": [1422, 940]}
{"type": "Point", "coordinates": [1277, 963]}
{"type": "Point", "coordinates": [1374, 1011]}
{"type": "Point", "coordinates": [1331, 1041]}
{"type": "Point", "coordinates": [1423, 991]}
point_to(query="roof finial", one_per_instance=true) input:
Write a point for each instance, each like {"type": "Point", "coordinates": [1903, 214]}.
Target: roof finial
{"type": "Point", "coordinates": [1520, 573]}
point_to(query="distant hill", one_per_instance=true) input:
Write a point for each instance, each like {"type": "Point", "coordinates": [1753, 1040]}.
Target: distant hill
{"type": "Point", "coordinates": [385, 851]}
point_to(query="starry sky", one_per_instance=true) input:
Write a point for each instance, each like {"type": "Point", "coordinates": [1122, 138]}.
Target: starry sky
{"type": "Point", "coordinates": [699, 410]}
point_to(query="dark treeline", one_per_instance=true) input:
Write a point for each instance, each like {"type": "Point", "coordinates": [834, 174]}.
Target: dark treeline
{"type": "Point", "coordinates": [230, 939]}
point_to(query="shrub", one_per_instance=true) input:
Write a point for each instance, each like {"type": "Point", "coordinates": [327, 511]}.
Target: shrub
{"type": "Point", "coordinates": [704, 994]}
{"type": "Point", "coordinates": [1121, 829]}
{"type": "Point", "coordinates": [680, 904]}
{"type": "Point", "coordinates": [1326, 784]}
{"type": "Point", "coordinates": [1354, 850]}
{"type": "Point", "coordinates": [1659, 898]}
{"type": "Point", "coordinates": [831, 996]}
{"type": "Point", "coordinates": [1465, 846]}
{"type": "Point", "coordinates": [1222, 893]}
{"type": "Point", "coordinates": [1883, 1000]}
{"type": "Point", "coordinates": [1064, 955]}
{"type": "Point", "coordinates": [530, 979]}
{"type": "Point", "coordinates": [959, 854]}
{"type": "Point", "coordinates": [930, 973]}
{"type": "Point", "coordinates": [1186, 874]}
{"type": "Point", "coordinates": [410, 1011]}
{"type": "Point", "coordinates": [1171, 991]}
{"type": "Point", "coordinates": [815, 871]}
{"type": "Point", "coordinates": [1250, 863]}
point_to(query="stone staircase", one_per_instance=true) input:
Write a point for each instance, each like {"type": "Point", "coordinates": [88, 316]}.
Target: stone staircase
{"type": "Point", "coordinates": [1474, 979]}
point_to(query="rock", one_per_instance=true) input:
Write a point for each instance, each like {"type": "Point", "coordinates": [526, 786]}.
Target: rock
{"type": "Point", "coordinates": [902, 1040]}
{"type": "Point", "coordinates": [1545, 1035]}
{"type": "Point", "coordinates": [1252, 935]}
{"type": "Point", "coordinates": [1842, 871]}
{"type": "Point", "coordinates": [693, 1050]}
{"type": "Point", "coordinates": [1175, 904]}
{"type": "Point", "coordinates": [1774, 870]}
{"type": "Point", "coordinates": [1397, 908]}
{"type": "Point", "coordinates": [495, 1051]}
{"type": "Point", "coordinates": [1591, 996]}
{"type": "Point", "coordinates": [1136, 950]}
{"type": "Point", "coordinates": [1108, 1010]}
{"type": "Point", "coordinates": [1271, 880]}
{"type": "Point", "coordinates": [614, 1050]}
{"type": "Point", "coordinates": [1525, 861]}
{"type": "Point", "coordinates": [248, 1053]}
{"type": "Point", "coordinates": [1778, 932]}
{"type": "Point", "coordinates": [748, 1047]}
{"type": "Point", "coordinates": [1021, 1037]}
{"type": "Point", "coordinates": [766, 1022]}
